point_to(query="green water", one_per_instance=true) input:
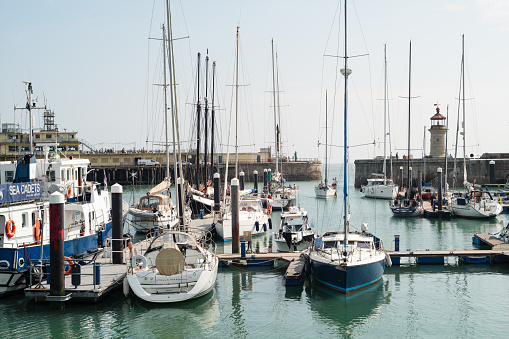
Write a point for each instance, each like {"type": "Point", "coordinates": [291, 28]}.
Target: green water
{"type": "Point", "coordinates": [412, 301]}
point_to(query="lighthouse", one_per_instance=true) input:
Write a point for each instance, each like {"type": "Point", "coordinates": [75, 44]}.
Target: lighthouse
{"type": "Point", "coordinates": [437, 132]}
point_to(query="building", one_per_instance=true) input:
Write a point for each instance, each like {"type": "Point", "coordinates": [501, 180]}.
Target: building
{"type": "Point", "coordinates": [437, 135]}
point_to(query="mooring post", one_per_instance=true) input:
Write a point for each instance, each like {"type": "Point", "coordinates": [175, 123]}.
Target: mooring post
{"type": "Point", "coordinates": [116, 224]}
{"type": "Point", "coordinates": [439, 177]}
{"type": "Point", "coordinates": [234, 190]}
{"type": "Point", "coordinates": [216, 192]}
{"type": "Point", "coordinates": [56, 254]}
{"type": "Point", "coordinates": [241, 179]}
{"type": "Point", "coordinates": [265, 180]}
{"type": "Point", "coordinates": [396, 260]}
{"type": "Point", "coordinates": [493, 180]}
{"type": "Point", "coordinates": [255, 173]}
{"type": "Point", "coordinates": [401, 178]}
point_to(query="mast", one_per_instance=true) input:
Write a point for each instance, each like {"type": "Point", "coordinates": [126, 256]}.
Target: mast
{"type": "Point", "coordinates": [409, 101]}
{"type": "Point", "coordinates": [198, 123]}
{"type": "Point", "coordinates": [212, 121]}
{"type": "Point", "coordinates": [30, 137]}
{"type": "Point", "coordinates": [446, 133]}
{"type": "Point", "coordinates": [237, 106]}
{"type": "Point", "coordinates": [346, 72]}
{"type": "Point", "coordinates": [385, 115]}
{"type": "Point", "coordinates": [463, 99]}
{"type": "Point", "coordinates": [326, 138]}
{"type": "Point", "coordinates": [205, 177]}
{"type": "Point", "coordinates": [166, 109]}
{"type": "Point", "coordinates": [278, 130]}
{"type": "Point", "coordinates": [176, 133]}
{"type": "Point", "coordinates": [276, 146]}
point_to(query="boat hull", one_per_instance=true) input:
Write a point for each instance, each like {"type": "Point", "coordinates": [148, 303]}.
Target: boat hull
{"type": "Point", "coordinates": [349, 279]}
{"type": "Point", "coordinates": [469, 211]}
{"type": "Point", "coordinates": [406, 211]}
{"type": "Point", "coordinates": [282, 246]}
{"type": "Point", "coordinates": [325, 193]}
{"type": "Point", "coordinates": [380, 192]}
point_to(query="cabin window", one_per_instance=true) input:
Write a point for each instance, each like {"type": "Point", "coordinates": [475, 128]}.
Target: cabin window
{"type": "Point", "coordinates": [42, 219]}
{"type": "Point", "coordinates": [69, 174]}
{"type": "Point", "coordinates": [9, 176]}
{"type": "Point", "coordinates": [2, 221]}
{"type": "Point", "coordinates": [329, 244]}
{"type": "Point", "coordinates": [24, 218]}
{"type": "Point", "coordinates": [363, 245]}
{"type": "Point", "coordinates": [52, 175]}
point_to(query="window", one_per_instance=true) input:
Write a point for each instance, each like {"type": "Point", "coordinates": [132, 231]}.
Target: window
{"type": "Point", "coordinates": [52, 175]}
{"type": "Point", "coordinates": [60, 136]}
{"type": "Point", "coordinates": [116, 160]}
{"type": "Point", "coordinates": [48, 136]}
{"type": "Point", "coordinates": [9, 176]}
{"type": "Point", "coordinates": [72, 136]}
{"type": "Point", "coordinates": [38, 148]}
{"type": "Point", "coordinates": [72, 148]}
{"type": "Point", "coordinates": [25, 148]}
{"type": "Point", "coordinates": [24, 218]}
{"type": "Point", "coordinates": [12, 136]}
{"type": "Point", "coordinates": [37, 136]}
{"type": "Point", "coordinates": [13, 148]}
{"type": "Point", "coordinates": [61, 148]}
{"type": "Point", "coordinates": [62, 175]}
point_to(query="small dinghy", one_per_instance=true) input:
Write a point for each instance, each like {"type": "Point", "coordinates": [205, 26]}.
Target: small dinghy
{"type": "Point", "coordinates": [174, 268]}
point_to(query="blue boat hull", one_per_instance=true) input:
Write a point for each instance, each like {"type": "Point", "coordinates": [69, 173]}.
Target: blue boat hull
{"type": "Point", "coordinates": [349, 280]}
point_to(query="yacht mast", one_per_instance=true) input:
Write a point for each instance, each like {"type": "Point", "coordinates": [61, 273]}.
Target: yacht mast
{"type": "Point", "coordinates": [276, 146]}
{"type": "Point", "coordinates": [385, 115]}
{"type": "Point", "coordinates": [463, 99]}
{"type": "Point", "coordinates": [409, 103]}
{"type": "Point", "coordinates": [346, 72]}
{"type": "Point", "coordinates": [326, 138]}
{"type": "Point", "coordinates": [205, 176]}
{"type": "Point", "coordinates": [212, 121]}
{"type": "Point", "coordinates": [237, 107]}
{"type": "Point", "coordinates": [166, 108]}
{"type": "Point", "coordinates": [198, 123]}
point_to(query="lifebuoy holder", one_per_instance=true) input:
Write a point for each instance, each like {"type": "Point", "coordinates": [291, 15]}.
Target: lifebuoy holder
{"type": "Point", "coordinates": [10, 228]}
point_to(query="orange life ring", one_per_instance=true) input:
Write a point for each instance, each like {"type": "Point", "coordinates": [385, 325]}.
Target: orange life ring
{"type": "Point", "coordinates": [70, 264]}
{"type": "Point", "coordinates": [68, 191]}
{"type": "Point", "coordinates": [10, 228]}
{"type": "Point", "coordinates": [37, 229]}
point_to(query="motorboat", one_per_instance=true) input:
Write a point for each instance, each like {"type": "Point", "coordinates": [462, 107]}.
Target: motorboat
{"type": "Point", "coordinates": [174, 268]}
{"type": "Point", "coordinates": [475, 203]}
{"type": "Point", "coordinates": [295, 233]}
{"type": "Point", "coordinates": [380, 188]}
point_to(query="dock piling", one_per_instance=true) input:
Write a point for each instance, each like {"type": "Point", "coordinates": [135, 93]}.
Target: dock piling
{"type": "Point", "coordinates": [235, 215]}
{"type": "Point", "coordinates": [493, 180]}
{"type": "Point", "coordinates": [265, 179]}
{"type": "Point", "coordinates": [216, 192]}
{"type": "Point", "coordinates": [116, 221]}
{"type": "Point", "coordinates": [241, 179]}
{"type": "Point", "coordinates": [255, 173]}
{"type": "Point", "coordinates": [57, 278]}
{"type": "Point", "coordinates": [396, 260]}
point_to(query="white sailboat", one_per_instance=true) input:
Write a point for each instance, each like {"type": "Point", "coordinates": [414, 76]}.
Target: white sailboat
{"type": "Point", "coordinates": [323, 189]}
{"type": "Point", "coordinates": [174, 268]}
{"type": "Point", "coordinates": [347, 261]}
{"type": "Point", "coordinates": [381, 187]}
{"type": "Point", "coordinates": [474, 203]}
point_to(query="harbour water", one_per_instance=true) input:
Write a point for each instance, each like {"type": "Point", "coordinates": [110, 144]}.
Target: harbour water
{"type": "Point", "coordinates": [411, 301]}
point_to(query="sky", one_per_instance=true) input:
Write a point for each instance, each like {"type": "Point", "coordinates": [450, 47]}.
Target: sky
{"type": "Point", "coordinates": [93, 64]}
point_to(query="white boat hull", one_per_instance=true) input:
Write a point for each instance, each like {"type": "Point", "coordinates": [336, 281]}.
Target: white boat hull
{"type": "Point", "coordinates": [282, 246]}
{"type": "Point", "coordinates": [247, 222]}
{"type": "Point", "coordinates": [178, 288]}
{"type": "Point", "coordinates": [325, 192]}
{"type": "Point", "coordinates": [490, 210]}
{"type": "Point", "coordinates": [380, 191]}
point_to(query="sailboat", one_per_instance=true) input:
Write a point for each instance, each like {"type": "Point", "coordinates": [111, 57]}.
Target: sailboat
{"type": "Point", "coordinates": [156, 211]}
{"type": "Point", "coordinates": [295, 233]}
{"type": "Point", "coordinates": [252, 217]}
{"type": "Point", "coordinates": [411, 205]}
{"type": "Point", "coordinates": [474, 203]}
{"type": "Point", "coordinates": [380, 187]}
{"type": "Point", "coordinates": [323, 189]}
{"type": "Point", "coordinates": [347, 261]}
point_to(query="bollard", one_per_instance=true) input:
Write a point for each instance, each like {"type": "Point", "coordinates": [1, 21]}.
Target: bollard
{"type": "Point", "coordinates": [396, 260]}
{"type": "Point", "coordinates": [76, 275]}
{"type": "Point", "coordinates": [56, 219]}
{"type": "Point", "coordinates": [216, 192]}
{"type": "Point", "coordinates": [201, 214]}
{"type": "Point", "coordinates": [255, 173]}
{"type": "Point", "coordinates": [243, 249]}
{"type": "Point", "coordinates": [439, 177]}
{"type": "Point", "coordinates": [265, 179]}
{"type": "Point", "coordinates": [241, 179]}
{"type": "Point", "coordinates": [97, 274]}
{"type": "Point", "coordinates": [116, 221]}
{"type": "Point", "coordinates": [493, 180]}
{"type": "Point", "coordinates": [234, 191]}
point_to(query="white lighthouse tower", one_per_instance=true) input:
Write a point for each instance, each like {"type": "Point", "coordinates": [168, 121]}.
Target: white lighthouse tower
{"type": "Point", "coordinates": [437, 132]}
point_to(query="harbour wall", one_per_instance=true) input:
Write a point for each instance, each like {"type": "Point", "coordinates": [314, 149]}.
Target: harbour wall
{"type": "Point", "coordinates": [152, 175]}
{"type": "Point", "coordinates": [478, 170]}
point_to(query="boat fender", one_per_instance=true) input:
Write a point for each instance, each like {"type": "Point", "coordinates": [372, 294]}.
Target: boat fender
{"type": "Point", "coordinates": [265, 227]}
{"type": "Point", "coordinates": [270, 223]}
{"type": "Point", "coordinates": [125, 287]}
{"type": "Point", "coordinates": [21, 262]}
{"type": "Point", "coordinates": [257, 226]}
{"type": "Point", "coordinates": [37, 229]}
{"type": "Point", "coordinates": [139, 261]}
{"type": "Point", "coordinates": [10, 228]}
{"type": "Point", "coordinates": [4, 264]}
{"type": "Point", "coordinates": [70, 264]}
{"type": "Point", "coordinates": [388, 261]}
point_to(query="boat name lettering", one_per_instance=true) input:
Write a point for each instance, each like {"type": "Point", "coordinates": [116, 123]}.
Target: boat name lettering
{"type": "Point", "coordinates": [20, 191]}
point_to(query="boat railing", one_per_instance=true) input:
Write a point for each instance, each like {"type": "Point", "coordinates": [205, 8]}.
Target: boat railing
{"type": "Point", "coordinates": [108, 249]}
{"type": "Point", "coordinates": [39, 270]}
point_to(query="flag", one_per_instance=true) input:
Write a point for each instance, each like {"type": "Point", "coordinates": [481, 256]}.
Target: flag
{"type": "Point", "coordinates": [28, 106]}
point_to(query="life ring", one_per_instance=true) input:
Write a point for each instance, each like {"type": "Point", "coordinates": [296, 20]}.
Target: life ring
{"type": "Point", "coordinates": [68, 195]}
{"type": "Point", "coordinates": [70, 264]}
{"type": "Point", "coordinates": [10, 228]}
{"type": "Point", "coordinates": [139, 261]}
{"type": "Point", "coordinates": [37, 229]}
